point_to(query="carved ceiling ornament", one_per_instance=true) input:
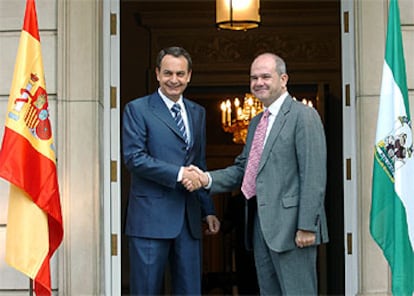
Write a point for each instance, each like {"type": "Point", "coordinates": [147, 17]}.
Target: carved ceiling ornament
{"type": "Point", "coordinates": [213, 49]}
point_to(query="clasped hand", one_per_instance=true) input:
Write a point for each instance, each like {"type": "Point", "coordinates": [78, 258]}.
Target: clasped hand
{"type": "Point", "coordinates": [194, 178]}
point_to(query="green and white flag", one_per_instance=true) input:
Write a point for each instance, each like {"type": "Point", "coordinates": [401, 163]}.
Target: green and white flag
{"type": "Point", "coordinates": [392, 209]}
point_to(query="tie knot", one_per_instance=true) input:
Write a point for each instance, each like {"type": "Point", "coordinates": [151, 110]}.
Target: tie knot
{"type": "Point", "coordinates": [176, 108]}
{"type": "Point", "coordinates": [266, 113]}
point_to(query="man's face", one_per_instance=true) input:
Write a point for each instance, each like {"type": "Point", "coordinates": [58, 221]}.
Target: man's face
{"type": "Point", "coordinates": [173, 76]}
{"type": "Point", "coordinates": [265, 83]}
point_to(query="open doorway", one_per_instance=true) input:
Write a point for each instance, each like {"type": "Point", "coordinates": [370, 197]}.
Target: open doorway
{"type": "Point", "coordinates": [221, 59]}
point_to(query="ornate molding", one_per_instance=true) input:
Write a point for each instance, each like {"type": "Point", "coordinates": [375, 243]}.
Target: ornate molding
{"type": "Point", "coordinates": [303, 50]}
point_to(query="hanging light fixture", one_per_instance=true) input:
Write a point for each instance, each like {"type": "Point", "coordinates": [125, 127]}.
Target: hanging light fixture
{"type": "Point", "coordinates": [237, 14]}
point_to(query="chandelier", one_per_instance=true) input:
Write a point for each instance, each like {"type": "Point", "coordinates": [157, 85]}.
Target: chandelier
{"type": "Point", "coordinates": [237, 14]}
{"type": "Point", "coordinates": [236, 116]}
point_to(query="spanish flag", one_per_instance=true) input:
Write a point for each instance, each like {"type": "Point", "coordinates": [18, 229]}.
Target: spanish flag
{"type": "Point", "coordinates": [28, 162]}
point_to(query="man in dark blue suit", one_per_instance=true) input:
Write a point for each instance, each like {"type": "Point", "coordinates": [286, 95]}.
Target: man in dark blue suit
{"type": "Point", "coordinates": [164, 133]}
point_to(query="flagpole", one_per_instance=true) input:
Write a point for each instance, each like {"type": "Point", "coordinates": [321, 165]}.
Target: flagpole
{"type": "Point", "coordinates": [31, 287]}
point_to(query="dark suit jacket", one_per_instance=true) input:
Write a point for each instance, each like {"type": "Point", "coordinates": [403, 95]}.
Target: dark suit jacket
{"type": "Point", "coordinates": [291, 177]}
{"type": "Point", "coordinates": [154, 150]}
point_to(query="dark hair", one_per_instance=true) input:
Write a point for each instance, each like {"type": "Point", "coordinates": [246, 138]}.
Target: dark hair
{"type": "Point", "coordinates": [176, 52]}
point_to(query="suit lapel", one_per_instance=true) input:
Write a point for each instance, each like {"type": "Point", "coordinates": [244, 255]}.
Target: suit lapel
{"type": "Point", "coordinates": [191, 115]}
{"type": "Point", "coordinates": [160, 110]}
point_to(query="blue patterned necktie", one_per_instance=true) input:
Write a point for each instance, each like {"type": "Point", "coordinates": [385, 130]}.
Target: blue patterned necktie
{"type": "Point", "coordinates": [250, 174]}
{"type": "Point", "coordinates": [176, 108]}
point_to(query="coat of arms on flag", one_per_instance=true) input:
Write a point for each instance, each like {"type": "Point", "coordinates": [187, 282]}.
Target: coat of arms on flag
{"type": "Point", "coordinates": [33, 106]}
{"type": "Point", "coordinates": [397, 146]}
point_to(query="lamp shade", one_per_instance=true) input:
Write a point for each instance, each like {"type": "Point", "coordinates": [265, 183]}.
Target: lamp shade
{"type": "Point", "coordinates": [237, 14]}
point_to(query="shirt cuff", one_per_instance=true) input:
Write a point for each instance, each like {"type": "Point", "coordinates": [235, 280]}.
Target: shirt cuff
{"type": "Point", "coordinates": [180, 174]}
{"type": "Point", "coordinates": [210, 181]}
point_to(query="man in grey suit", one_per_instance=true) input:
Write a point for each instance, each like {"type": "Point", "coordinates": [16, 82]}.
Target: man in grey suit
{"type": "Point", "coordinates": [287, 185]}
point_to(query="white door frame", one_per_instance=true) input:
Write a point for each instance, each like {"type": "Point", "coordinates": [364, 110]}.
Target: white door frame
{"type": "Point", "coordinates": [112, 159]}
{"type": "Point", "coordinates": [111, 146]}
{"type": "Point", "coordinates": [349, 132]}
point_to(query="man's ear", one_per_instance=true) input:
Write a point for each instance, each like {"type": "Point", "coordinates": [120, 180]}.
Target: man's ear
{"type": "Point", "coordinates": [157, 73]}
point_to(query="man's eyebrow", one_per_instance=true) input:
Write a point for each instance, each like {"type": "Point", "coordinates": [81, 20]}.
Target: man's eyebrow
{"type": "Point", "coordinates": [264, 75]}
{"type": "Point", "coordinates": [170, 71]}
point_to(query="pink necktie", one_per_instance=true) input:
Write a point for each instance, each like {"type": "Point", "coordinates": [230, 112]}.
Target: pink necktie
{"type": "Point", "coordinates": [250, 174]}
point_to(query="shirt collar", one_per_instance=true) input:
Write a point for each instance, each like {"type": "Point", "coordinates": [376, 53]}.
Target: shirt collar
{"type": "Point", "coordinates": [275, 106]}
{"type": "Point", "coordinates": [170, 102]}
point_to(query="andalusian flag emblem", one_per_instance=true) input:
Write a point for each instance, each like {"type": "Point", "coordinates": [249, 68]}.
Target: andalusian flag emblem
{"type": "Point", "coordinates": [28, 162]}
{"type": "Point", "coordinates": [392, 211]}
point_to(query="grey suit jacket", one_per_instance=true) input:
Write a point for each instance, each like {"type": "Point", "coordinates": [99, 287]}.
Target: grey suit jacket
{"type": "Point", "coordinates": [291, 177]}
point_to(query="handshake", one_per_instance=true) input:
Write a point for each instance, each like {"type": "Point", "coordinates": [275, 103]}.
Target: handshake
{"type": "Point", "coordinates": [194, 178]}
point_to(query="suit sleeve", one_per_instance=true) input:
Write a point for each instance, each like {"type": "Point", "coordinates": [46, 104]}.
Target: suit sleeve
{"type": "Point", "coordinates": [228, 179]}
{"type": "Point", "coordinates": [135, 150]}
{"type": "Point", "coordinates": [231, 178]}
{"type": "Point", "coordinates": [207, 204]}
{"type": "Point", "coordinates": [311, 156]}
